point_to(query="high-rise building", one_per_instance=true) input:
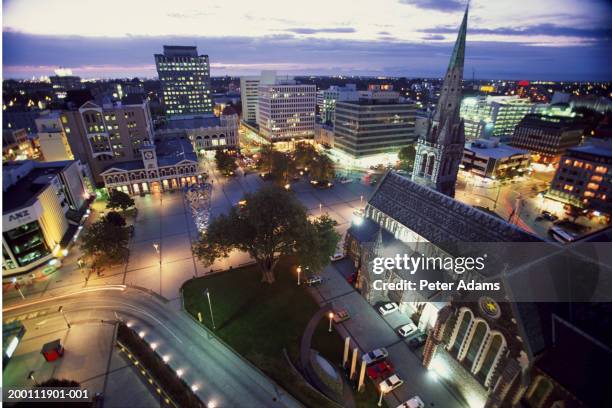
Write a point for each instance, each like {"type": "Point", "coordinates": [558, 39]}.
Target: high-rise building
{"type": "Point", "coordinates": [493, 116]}
{"type": "Point", "coordinates": [584, 177]}
{"type": "Point", "coordinates": [547, 137]}
{"type": "Point", "coordinates": [52, 138]}
{"type": "Point", "coordinates": [103, 134]}
{"type": "Point", "coordinates": [439, 153]}
{"type": "Point", "coordinates": [249, 93]}
{"type": "Point", "coordinates": [372, 126]}
{"type": "Point", "coordinates": [185, 80]}
{"type": "Point", "coordinates": [286, 111]}
{"type": "Point", "coordinates": [327, 99]}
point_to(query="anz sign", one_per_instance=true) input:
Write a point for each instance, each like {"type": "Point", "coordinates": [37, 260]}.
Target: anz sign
{"type": "Point", "coordinates": [21, 216]}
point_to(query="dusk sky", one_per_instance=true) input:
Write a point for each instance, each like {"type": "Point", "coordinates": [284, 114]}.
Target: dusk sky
{"type": "Point", "coordinates": [513, 39]}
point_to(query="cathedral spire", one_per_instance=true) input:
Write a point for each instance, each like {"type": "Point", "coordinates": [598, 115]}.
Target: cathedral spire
{"type": "Point", "coordinates": [439, 152]}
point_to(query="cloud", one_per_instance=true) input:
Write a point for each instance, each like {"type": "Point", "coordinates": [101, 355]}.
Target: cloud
{"type": "Point", "coordinates": [384, 33]}
{"type": "Point", "coordinates": [25, 55]}
{"type": "Point", "coordinates": [551, 30]}
{"type": "Point", "coordinates": [321, 30]}
{"type": "Point", "coordinates": [434, 37]}
{"type": "Point", "coordinates": [445, 6]}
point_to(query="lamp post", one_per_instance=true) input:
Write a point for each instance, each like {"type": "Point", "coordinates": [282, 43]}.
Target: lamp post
{"type": "Point", "coordinates": [331, 316]}
{"type": "Point", "coordinates": [382, 394]}
{"type": "Point", "coordinates": [212, 317]}
{"type": "Point", "coordinates": [61, 310]}
{"type": "Point", "coordinates": [14, 280]}
{"type": "Point", "coordinates": [156, 246]}
{"type": "Point", "coordinates": [31, 377]}
{"type": "Point", "coordinates": [321, 208]}
{"type": "Point", "coordinates": [299, 271]}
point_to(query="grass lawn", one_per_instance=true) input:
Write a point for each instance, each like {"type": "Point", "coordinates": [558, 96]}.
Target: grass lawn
{"type": "Point", "coordinates": [260, 320]}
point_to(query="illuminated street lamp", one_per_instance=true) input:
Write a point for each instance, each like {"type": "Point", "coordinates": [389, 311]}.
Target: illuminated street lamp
{"type": "Point", "coordinates": [14, 280]}
{"type": "Point", "coordinates": [331, 317]}
{"type": "Point", "coordinates": [156, 246]}
{"type": "Point", "coordinates": [287, 186]}
{"type": "Point", "coordinates": [61, 310]}
{"type": "Point", "coordinates": [382, 394]}
{"type": "Point", "coordinates": [299, 271]}
{"type": "Point", "coordinates": [212, 318]}
{"type": "Point", "coordinates": [321, 208]}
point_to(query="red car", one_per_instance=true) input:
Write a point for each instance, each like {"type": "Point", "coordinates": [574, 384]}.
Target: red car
{"type": "Point", "coordinates": [380, 370]}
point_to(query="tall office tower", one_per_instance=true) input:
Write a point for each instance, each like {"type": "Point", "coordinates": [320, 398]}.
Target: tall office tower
{"type": "Point", "coordinates": [372, 126]}
{"type": "Point", "coordinates": [439, 153]}
{"type": "Point", "coordinates": [249, 93]}
{"type": "Point", "coordinates": [286, 111]}
{"type": "Point", "coordinates": [493, 116]}
{"type": "Point", "coordinates": [185, 81]}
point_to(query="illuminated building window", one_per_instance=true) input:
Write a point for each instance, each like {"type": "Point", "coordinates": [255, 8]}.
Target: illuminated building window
{"type": "Point", "coordinates": [593, 186]}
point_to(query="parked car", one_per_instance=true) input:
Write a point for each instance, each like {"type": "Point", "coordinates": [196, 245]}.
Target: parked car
{"type": "Point", "coordinates": [417, 341]}
{"type": "Point", "coordinates": [414, 402]}
{"type": "Point", "coordinates": [406, 330]}
{"type": "Point", "coordinates": [375, 356]}
{"type": "Point", "coordinates": [337, 256]}
{"type": "Point", "coordinates": [345, 180]}
{"type": "Point", "coordinates": [380, 370]}
{"type": "Point", "coordinates": [390, 384]}
{"type": "Point", "coordinates": [314, 280]}
{"type": "Point", "coordinates": [351, 278]}
{"type": "Point", "coordinates": [341, 315]}
{"type": "Point", "coordinates": [388, 308]}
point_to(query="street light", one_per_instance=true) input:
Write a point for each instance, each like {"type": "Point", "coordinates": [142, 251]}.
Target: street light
{"type": "Point", "coordinates": [299, 271]}
{"type": "Point", "coordinates": [31, 377]}
{"type": "Point", "coordinates": [156, 246]}
{"type": "Point", "coordinates": [14, 280]}
{"type": "Point", "coordinates": [61, 310]}
{"type": "Point", "coordinates": [321, 208]}
{"type": "Point", "coordinates": [331, 316]}
{"type": "Point", "coordinates": [212, 318]}
{"type": "Point", "coordinates": [382, 394]}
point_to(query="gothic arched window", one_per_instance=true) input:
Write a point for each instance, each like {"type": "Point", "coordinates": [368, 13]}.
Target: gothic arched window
{"type": "Point", "coordinates": [423, 163]}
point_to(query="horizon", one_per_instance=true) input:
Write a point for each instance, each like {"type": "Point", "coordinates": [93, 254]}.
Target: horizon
{"type": "Point", "coordinates": [413, 40]}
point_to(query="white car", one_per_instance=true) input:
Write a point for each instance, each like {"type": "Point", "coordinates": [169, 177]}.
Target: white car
{"type": "Point", "coordinates": [406, 330]}
{"type": "Point", "coordinates": [345, 180]}
{"type": "Point", "coordinates": [388, 308]}
{"type": "Point", "coordinates": [414, 402]}
{"type": "Point", "coordinates": [337, 256]}
{"type": "Point", "coordinates": [375, 356]}
{"type": "Point", "coordinates": [391, 383]}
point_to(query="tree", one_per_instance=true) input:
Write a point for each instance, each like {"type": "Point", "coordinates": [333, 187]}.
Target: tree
{"type": "Point", "coordinates": [226, 163]}
{"type": "Point", "coordinates": [304, 154]}
{"type": "Point", "coordinates": [318, 243]}
{"type": "Point", "coordinates": [269, 224]}
{"type": "Point", "coordinates": [114, 218]}
{"type": "Point", "coordinates": [264, 163]}
{"type": "Point", "coordinates": [105, 243]}
{"type": "Point", "coordinates": [118, 199]}
{"type": "Point", "coordinates": [322, 169]}
{"type": "Point", "coordinates": [406, 157]}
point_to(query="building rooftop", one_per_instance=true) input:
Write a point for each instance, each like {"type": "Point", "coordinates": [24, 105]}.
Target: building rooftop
{"type": "Point", "coordinates": [492, 149]}
{"type": "Point", "coordinates": [595, 149]}
{"type": "Point", "coordinates": [24, 180]}
{"type": "Point", "coordinates": [192, 122]}
{"type": "Point", "coordinates": [170, 151]}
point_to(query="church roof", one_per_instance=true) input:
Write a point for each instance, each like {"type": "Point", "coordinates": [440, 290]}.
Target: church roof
{"type": "Point", "coordinates": [438, 218]}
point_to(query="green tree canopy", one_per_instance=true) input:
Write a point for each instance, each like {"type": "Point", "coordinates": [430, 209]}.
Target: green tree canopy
{"type": "Point", "coordinates": [406, 157]}
{"type": "Point", "coordinates": [318, 243]}
{"type": "Point", "coordinates": [322, 169]}
{"type": "Point", "coordinates": [105, 243]}
{"type": "Point", "coordinates": [114, 218]}
{"type": "Point", "coordinates": [118, 199]}
{"type": "Point", "coordinates": [304, 154]}
{"type": "Point", "coordinates": [271, 223]}
{"type": "Point", "coordinates": [226, 163]}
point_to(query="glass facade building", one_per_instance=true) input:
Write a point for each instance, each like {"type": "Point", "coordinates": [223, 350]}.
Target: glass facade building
{"type": "Point", "coordinates": [185, 81]}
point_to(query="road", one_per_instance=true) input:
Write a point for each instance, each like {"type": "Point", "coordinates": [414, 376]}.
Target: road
{"type": "Point", "coordinates": [222, 377]}
{"type": "Point", "coordinates": [369, 331]}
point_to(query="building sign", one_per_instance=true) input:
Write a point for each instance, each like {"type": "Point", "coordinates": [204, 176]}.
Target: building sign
{"type": "Point", "coordinates": [22, 216]}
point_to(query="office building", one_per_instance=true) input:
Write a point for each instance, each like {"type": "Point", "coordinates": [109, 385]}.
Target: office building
{"type": "Point", "coordinates": [488, 158]}
{"type": "Point", "coordinates": [52, 138]}
{"type": "Point", "coordinates": [20, 119]}
{"type": "Point", "coordinates": [327, 99]}
{"type": "Point", "coordinates": [547, 137]}
{"type": "Point", "coordinates": [103, 134]}
{"type": "Point", "coordinates": [439, 152]}
{"type": "Point", "coordinates": [286, 111]}
{"type": "Point", "coordinates": [249, 93]}
{"type": "Point", "coordinates": [16, 145]}
{"type": "Point", "coordinates": [584, 177]}
{"type": "Point", "coordinates": [493, 116]}
{"type": "Point", "coordinates": [205, 133]}
{"type": "Point", "coordinates": [324, 135]}
{"type": "Point", "coordinates": [43, 204]}
{"type": "Point", "coordinates": [185, 81]}
{"type": "Point", "coordinates": [373, 126]}
{"type": "Point", "coordinates": [63, 81]}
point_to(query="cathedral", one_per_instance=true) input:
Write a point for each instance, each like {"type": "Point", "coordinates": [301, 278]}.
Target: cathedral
{"type": "Point", "coordinates": [439, 152]}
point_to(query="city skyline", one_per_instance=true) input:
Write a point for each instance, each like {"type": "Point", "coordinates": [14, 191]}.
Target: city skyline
{"type": "Point", "coordinates": [505, 41]}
